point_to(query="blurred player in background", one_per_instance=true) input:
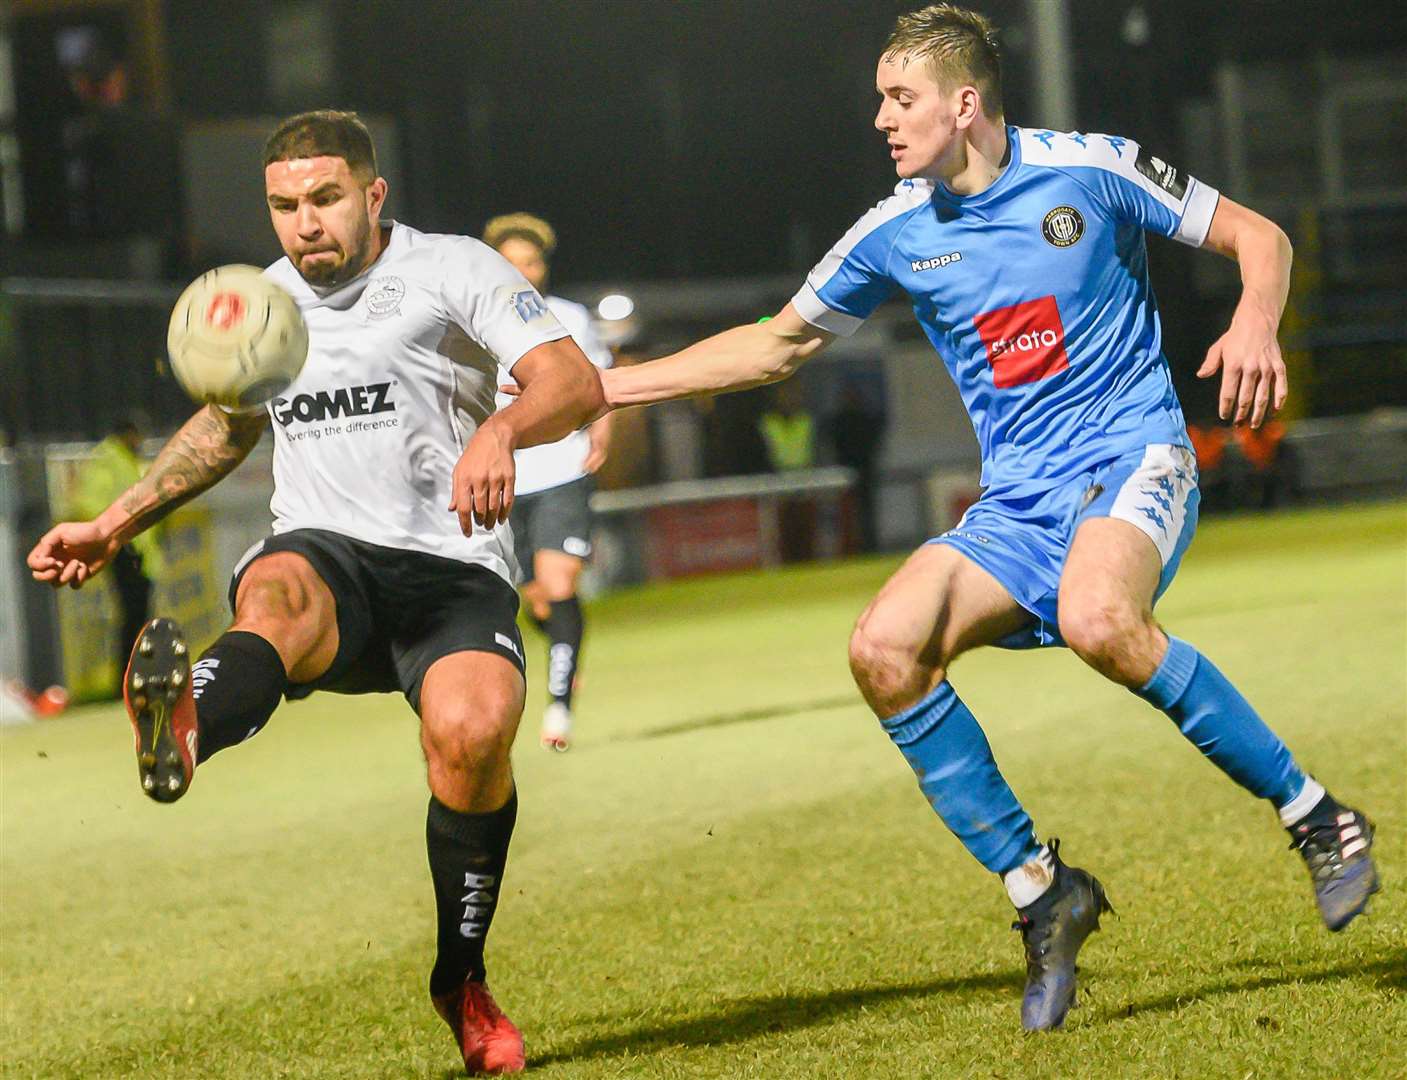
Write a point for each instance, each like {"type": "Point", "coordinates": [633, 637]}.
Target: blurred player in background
{"type": "Point", "coordinates": [389, 567]}
{"type": "Point", "coordinates": [1022, 252]}
{"type": "Point", "coordinates": [551, 516]}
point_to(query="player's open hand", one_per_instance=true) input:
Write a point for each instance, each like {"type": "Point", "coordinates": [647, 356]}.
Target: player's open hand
{"type": "Point", "coordinates": [1253, 382]}
{"type": "Point", "coordinates": [482, 486]}
{"type": "Point", "coordinates": [71, 553]}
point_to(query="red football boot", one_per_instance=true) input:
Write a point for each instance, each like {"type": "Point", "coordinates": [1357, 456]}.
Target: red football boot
{"type": "Point", "coordinates": [157, 693]}
{"type": "Point", "coordinates": [489, 1041]}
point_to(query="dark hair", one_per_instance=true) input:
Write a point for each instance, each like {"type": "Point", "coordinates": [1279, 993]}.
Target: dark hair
{"type": "Point", "coordinates": [325, 133]}
{"type": "Point", "coordinates": [960, 46]}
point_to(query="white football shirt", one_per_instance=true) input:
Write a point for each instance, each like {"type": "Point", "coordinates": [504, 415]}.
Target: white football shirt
{"type": "Point", "coordinates": [403, 366]}
{"type": "Point", "coordinates": [561, 462]}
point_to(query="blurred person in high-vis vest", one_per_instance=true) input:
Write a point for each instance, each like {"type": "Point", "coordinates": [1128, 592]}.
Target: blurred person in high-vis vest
{"type": "Point", "coordinates": [114, 467]}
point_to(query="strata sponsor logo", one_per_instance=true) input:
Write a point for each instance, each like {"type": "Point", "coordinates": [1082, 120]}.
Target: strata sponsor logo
{"type": "Point", "coordinates": [965, 535]}
{"type": "Point", "coordinates": [1161, 173]}
{"type": "Point", "coordinates": [333, 404]}
{"type": "Point", "coordinates": [1025, 342]}
{"type": "Point", "coordinates": [384, 296]}
{"type": "Point", "coordinates": [1063, 226]}
{"type": "Point", "coordinates": [936, 263]}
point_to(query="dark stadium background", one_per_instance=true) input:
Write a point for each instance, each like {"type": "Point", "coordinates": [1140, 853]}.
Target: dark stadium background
{"type": "Point", "coordinates": [667, 141]}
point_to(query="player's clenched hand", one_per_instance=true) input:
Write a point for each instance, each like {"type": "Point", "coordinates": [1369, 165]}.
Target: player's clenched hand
{"type": "Point", "coordinates": [71, 553]}
{"type": "Point", "coordinates": [1253, 382]}
{"type": "Point", "coordinates": [482, 487]}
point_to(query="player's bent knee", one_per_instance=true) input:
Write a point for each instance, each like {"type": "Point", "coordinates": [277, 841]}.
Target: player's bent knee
{"type": "Point", "coordinates": [470, 707]}
{"type": "Point", "coordinates": [467, 740]}
{"type": "Point", "coordinates": [282, 587]}
{"type": "Point", "coordinates": [556, 577]}
{"type": "Point", "coordinates": [1102, 632]}
{"type": "Point", "coordinates": [891, 677]}
{"type": "Point", "coordinates": [282, 599]}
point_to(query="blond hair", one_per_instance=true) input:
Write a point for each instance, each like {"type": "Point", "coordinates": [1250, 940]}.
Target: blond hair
{"type": "Point", "coordinates": [959, 45]}
{"type": "Point", "coordinates": [527, 227]}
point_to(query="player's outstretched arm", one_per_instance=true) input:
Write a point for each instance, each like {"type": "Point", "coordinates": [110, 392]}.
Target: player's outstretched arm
{"type": "Point", "coordinates": [558, 391]}
{"type": "Point", "coordinates": [1253, 383]}
{"type": "Point", "coordinates": [208, 446]}
{"type": "Point", "coordinates": [736, 359]}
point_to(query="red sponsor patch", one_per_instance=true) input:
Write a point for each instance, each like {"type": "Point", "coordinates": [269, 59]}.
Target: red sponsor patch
{"type": "Point", "coordinates": [1025, 342]}
{"type": "Point", "coordinates": [225, 311]}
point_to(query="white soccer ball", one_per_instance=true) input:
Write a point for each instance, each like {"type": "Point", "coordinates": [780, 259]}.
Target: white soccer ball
{"type": "Point", "coordinates": [236, 339]}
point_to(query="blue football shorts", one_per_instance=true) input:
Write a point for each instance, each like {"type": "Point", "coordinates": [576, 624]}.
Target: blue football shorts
{"type": "Point", "coordinates": [1022, 540]}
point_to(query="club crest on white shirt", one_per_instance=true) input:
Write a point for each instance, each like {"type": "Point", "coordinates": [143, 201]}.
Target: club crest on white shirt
{"type": "Point", "coordinates": [384, 296]}
{"type": "Point", "coordinates": [527, 304]}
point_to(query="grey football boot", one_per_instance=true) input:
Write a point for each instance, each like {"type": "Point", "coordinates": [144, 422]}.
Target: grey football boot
{"type": "Point", "coordinates": [1336, 843]}
{"type": "Point", "coordinates": [1053, 927]}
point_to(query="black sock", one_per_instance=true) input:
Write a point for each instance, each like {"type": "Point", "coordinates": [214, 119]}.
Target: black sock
{"type": "Point", "coordinates": [1325, 812]}
{"type": "Point", "coordinates": [563, 627]}
{"type": "Point", "coordinates": [467, 856]}
{"type": "Point", "coordinates": [238, 682]}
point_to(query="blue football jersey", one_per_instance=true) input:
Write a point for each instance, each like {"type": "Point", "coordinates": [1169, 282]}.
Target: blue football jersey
{"type": "Point", "coordinates": [1035, 293]}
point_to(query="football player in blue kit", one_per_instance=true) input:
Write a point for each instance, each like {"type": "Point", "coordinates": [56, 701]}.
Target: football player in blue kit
{"type": "Point", "coordinates": [1022, 252]}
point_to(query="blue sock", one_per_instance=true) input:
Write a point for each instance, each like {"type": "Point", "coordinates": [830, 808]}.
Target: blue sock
{"type": "Point", "coordinates": [1216, 719]}
{"type": "Point", "coordinates": [949, 754]}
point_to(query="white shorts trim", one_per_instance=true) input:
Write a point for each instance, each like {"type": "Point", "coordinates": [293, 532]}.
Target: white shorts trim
{"type": "Point", "coordinates": [1154, 497]}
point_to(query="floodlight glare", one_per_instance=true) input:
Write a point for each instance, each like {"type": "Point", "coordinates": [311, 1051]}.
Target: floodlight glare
{"type": "Point", "coordinates": [615, 307]}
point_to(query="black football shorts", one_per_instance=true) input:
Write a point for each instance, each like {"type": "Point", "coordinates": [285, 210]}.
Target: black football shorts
{"type": "Point", "coordinates": [398, 611]}
{"type": "Point", "coordinates": [555, 519]}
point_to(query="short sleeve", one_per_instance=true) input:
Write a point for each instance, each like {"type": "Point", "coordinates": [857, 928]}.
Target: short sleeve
{"type": "Point", "coordinates": [1134, 185]}
{"type": "Point", "coordinates": [577, 320]}
{"type": "Point", "coordinates": [1142, 189]}
{"type": "Point", "coordinates": [494, 304]}
{"type": "Point", "coordinates": [853, 278]}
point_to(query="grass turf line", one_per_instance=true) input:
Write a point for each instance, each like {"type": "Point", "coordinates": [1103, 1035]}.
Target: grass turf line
{"type": "Point", "coordinates": [732, 873]}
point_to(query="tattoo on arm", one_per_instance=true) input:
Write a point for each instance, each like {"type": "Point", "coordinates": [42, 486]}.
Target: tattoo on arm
{"type": "Point", "coordinates": [208, 447]}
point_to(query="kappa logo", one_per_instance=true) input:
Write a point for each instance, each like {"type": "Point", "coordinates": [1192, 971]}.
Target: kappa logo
{"type": "Point", "coordinates": [1161, 173]}
{"type": "Point", "coordinates": [325, 404]}
{"type": "Point", "coordinates": [936, 263]}
{"type": "Point", "coordinates": [384, 296]}
{"type": "Point", "coordinates": [1025, 342]}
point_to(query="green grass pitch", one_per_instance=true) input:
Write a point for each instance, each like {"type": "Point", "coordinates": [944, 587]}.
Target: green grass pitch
{"type": "Point", "coordinates": [733, 874]}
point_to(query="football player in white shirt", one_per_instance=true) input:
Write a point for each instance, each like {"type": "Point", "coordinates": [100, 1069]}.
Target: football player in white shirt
{"type": "Point", "coordinates": [390, 565]}
{"type": "Point", "coordinates": [551, 511]}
